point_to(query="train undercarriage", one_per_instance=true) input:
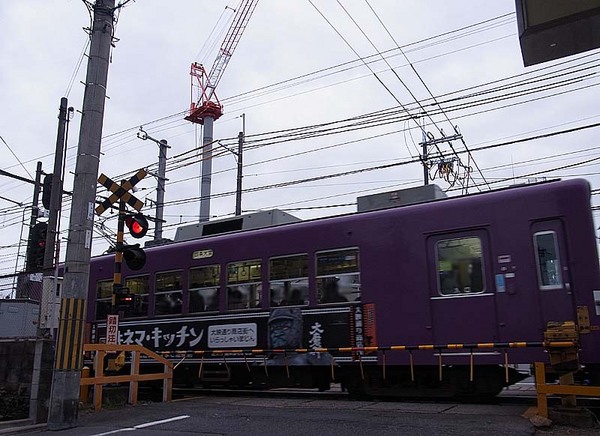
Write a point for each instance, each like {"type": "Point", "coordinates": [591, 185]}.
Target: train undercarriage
{"type": "Point", "coordinates": [367, 381]}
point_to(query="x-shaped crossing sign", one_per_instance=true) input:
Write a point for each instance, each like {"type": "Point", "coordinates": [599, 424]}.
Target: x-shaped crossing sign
{"type": "Point", "coordinates": [121, 192]}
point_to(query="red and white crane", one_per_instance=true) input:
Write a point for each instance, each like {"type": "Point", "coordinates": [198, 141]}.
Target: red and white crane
{"type": "Point", "coordinates": [206, 107]}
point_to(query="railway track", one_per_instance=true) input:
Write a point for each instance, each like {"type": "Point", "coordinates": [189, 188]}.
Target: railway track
{"type": "Point", "coordinates": [520, 394]}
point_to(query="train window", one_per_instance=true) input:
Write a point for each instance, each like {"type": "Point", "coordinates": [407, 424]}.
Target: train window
{"type": "Point", "coordinates": [288, 280]}
{"type": "Point", "coordinates": [139, 286]}
{"type": "Point", "coordinates": [338, 276]}
{"type": "Point", "coordinates": [168, 293]}
{"type": "Point", "coordinates": [547, 259]}
{"type": "Point", "coordinates": [204, 288]}
{"type": "Point", "coordinates": [244, 284]}
{"type": "Point", "coordinates": [104, 292]}
{"type": "Point", "coordinates": [460, 266]}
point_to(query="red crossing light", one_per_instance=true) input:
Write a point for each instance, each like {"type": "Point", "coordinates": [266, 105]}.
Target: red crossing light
{"type": "Point", "coordinates": [137, 225]}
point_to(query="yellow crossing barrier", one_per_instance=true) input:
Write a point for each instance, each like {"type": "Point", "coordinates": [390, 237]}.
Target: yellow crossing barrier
{"type": "Point", "coordinates": [134, 377]}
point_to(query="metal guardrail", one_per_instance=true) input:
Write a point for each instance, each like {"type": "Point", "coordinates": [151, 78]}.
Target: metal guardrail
{"type": "Point", "coordinates": [134, 377]}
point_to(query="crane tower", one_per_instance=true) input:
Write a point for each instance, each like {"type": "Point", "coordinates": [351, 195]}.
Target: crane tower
{"type": "Point", "coordinates": [205, 107]}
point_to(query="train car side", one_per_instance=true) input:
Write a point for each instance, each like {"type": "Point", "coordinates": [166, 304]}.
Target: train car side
{"type": "Point", "coordinates": [492, 267]}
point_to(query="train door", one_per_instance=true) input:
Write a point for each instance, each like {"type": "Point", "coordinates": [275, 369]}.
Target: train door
{"type": "Point", "coordinates": [461, 297]}
{"type": "Point", "coordinates": [552, 271]}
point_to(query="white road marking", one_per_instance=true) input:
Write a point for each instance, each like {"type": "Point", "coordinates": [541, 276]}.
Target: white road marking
{"type": "Point", "coordinates": [139, 426]}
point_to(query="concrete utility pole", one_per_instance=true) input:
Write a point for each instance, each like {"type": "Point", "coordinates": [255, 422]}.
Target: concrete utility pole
{"type": "Point", "coordinates": [238, 191]}
{"type": "Point", "coordinates": [162, 180]}
{"type": "Point", "coordinates": [429, 140]}
{"type": "Point", "coordinates": [160, 190]}
{"type": "Point", "coordinates": [64, 400]}
{"type": "Point", "coordinates": [56, 189]}
{"type": "Point", "coordinates": [40, 388]}
{"type": "Point", "coordinates": [425, 166]}
{"type": "Point", "coordinates": [34, 205]}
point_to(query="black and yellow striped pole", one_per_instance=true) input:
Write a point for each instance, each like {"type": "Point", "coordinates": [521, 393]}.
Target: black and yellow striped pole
{"type": "Point", "coordinates": [117, 277]}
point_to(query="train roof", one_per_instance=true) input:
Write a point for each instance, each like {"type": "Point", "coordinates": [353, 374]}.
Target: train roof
{"type": "Point", "coordinates": [473, 200]}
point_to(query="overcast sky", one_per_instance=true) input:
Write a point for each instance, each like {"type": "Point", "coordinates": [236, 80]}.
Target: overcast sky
{"type": "Point", "coordinates": [297, 66]}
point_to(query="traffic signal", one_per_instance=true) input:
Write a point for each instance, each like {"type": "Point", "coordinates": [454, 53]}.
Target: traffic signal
{"type": "Point", "coordinates": [47, 191]}
{"type": "Point", "coordinates": [36, 247]}
{"type": "Point", "coordinates": [123, 299]}
{"type": "Point", "coordinates": [134, 256]}
{"type": "Point", "coordinates": [137, 225]}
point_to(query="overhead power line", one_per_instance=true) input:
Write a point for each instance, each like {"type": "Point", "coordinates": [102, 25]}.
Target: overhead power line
{"type": "Point", "coordinates": [386, 166]}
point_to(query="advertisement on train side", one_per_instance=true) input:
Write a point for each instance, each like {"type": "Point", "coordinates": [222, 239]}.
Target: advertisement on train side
{"type": "Point", "coordinates": [280, 328]}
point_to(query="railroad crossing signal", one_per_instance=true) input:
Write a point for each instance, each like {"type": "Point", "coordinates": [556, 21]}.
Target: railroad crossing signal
{"type": "Point", "coordinates": [137, 225]}
{"type": "Point", "coordinates": [36, 247]}
{"type": "Point", "coordinates": [134, 256]}
{"type": "Point", "coordinates": [121, 192]}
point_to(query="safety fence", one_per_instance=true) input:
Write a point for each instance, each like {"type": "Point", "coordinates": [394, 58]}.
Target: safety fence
{"type": "Point", "coordinates": [570, 390]}
{"type": "Point", "coordinates": [21, 285]}
{"type": "Point", "coordinates": [134, 377]}
{"type": "Point", "coordinates": [358, 354]}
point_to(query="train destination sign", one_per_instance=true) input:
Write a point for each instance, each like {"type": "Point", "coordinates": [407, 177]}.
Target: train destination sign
{"type": "Point", "coordinates": [202, 254]}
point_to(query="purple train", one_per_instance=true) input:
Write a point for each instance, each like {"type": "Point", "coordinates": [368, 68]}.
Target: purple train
{"type": "Point", "coordinates": [493, 267]}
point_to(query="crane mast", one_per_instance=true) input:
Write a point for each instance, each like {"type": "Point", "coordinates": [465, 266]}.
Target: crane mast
{"type": "Point", "coordinates": [207, 107]}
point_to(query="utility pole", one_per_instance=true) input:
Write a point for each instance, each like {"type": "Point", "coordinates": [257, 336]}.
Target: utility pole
{"type": "Point", "coordinates": [161, 181]}
{"type": "Point", "coordinates": [56, 188]}
{"type": "Point", "coordinates": [160, 189]}
{"type": "Point", "coordinates": [429, 140]}
{"type": "Point", "coordinates": [64, 400]}
{"type": "Point", "coordinates": [238, 191]}
{"type": "Point", "coordinates": [37, 410]}
{"type": "Point", "coordinates": [425, 165]}
{"type": "Point", "coordinates": [239, 156]}
{"type": "Point", "coordinates": [34, 204]}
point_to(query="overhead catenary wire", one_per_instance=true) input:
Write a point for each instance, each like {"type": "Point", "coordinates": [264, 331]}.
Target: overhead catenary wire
{"type": "Point", "coordinates": [429, 91]}
{"type": "Point", "coordinates": [171, 121]}
{"type": "Point", "coordinates": [389, 91]}
{"type": "Point", "coordinates": [179, 115]}
{"type": "Point", "coordinates": [386, 115]}
{"type": "Point", "coordinates": [353, 141]}
{"type": "Point", "coordinates": [385, 166]}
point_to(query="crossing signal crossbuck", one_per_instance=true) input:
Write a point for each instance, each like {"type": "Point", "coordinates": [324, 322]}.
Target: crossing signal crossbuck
{"type": "Point", "coordinates": [134, 256]}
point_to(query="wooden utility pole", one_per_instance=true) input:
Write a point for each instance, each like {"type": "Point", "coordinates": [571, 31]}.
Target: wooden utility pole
{"type": "Point", "coordinates": [64, 400]}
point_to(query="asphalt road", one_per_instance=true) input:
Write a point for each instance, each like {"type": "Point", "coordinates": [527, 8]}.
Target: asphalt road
{"type": "Point", "coordinates": [290, 417]}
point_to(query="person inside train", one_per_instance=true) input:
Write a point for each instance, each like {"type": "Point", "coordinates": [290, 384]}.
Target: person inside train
{"type": "Point", "coordinates": [331, 291]}
{"type": "Point", "coordinates": [451, 280]}
{"type": "Point", "coordinates": [213, 301]}
{"type": "Point", "coordinates": [294, 299]}
{"type": "Point", "coordinates": [236, 299]}
{"type": "Point", "coordinates": [196, 302]}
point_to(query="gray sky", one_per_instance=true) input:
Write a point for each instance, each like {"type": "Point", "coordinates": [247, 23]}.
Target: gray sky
{"type": "Point", "coordinates": [297, 65]}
